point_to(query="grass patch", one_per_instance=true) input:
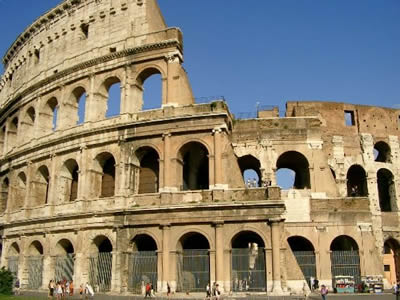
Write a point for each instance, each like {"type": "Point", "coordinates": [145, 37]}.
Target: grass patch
{"type": "Point", "coordinates": [4, 297]}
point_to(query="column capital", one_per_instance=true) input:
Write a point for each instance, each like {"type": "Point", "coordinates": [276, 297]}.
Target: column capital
{"type": "Point", "coordinates": [218, 223]}
{"type": "Point", "coordinates": [275, 220]}
{"type": "Point", "coordinates": [165, 225]}
{"type": "Point", "coordinates": [166, 134]}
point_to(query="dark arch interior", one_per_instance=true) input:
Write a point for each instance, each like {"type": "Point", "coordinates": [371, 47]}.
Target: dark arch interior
{"type": "Point", "coordinates": [144, 242]}
{"type": "Point", "coordinates": [298, 243]}
{"type": "Point", "coordinates": [37, 247]}
{"type": "Point", "coordinates": [343, 243]}
{"type": "Point", "coordinates": [108, 179]}
{"type": "Point", "coordinates": [31, 114]}
{"type": "Point", "coordinates": [383, 152]}
{"type": "Point", "coordinates": [298, 163]}
{"type": "Point", "coordinates": [356, 182]}
{"type": "Point", "coordinates": [385, 189]}
{"type": "Point", "coordinates": [67, 246]}
{"type": "Point", "coordinates": [103, 244]}
{"type": "Point", "coordinates": [195, 166]}
{"type": "Point", "coordinates": [243, 239]}
{"type": "Point", "coordinates": [391, 244]}
{"type": "Point", "coordinates": [194, 240]}
{"type": "Point", "coordinates": [249, 162]}
{"type": "Point", "coordinates": [14, 249]}
{"type": "Point", "coordinates": [149, 170]}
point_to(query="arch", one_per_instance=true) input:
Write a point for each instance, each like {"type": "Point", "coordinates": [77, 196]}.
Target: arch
{"type": "Point", "coordinates": [112, 88]}
{"type": "Point", "coordinates": [105, 164]}
{"type": "Point", "coordinates": [20, 191]}
{"type": "Point", "coordinates": [27, 123]}
{"type": "Point", "coordinates": [382, 152]}
{"type": "Point", "coordinates": [304, 252]}
{"type": "Point", "coordinates": [357, 182]}
{"type": "Point", "coordinates": [13, 250]}
{"type": "Point", "coordinates": [5, 188]}
{"type": "Point", "coordinates": [34, 264]}
{"type": "Point", "coordinates": [148, 79]}
{"type": "Point", "coordinates": [193, 246]}
{"type": "Point", "coordinates": [298, 163]}
{"type": "Point", "coordinates": [149, 170]}
{"type": "Point", "coordinates": [391, 260]}
{"type": "Point", "coordinates": [13, 258]}
{"type": "Point", "coordinates": [12, 133]}
{"type": "Point", "coordinates": [345, 258]}
{"type": "Point", "coordinates": [40, 186]}
{"type": "Point", "coordinates": [100, 263]}
{"type": "Point", "coordinates": [386, 190]}
{"type": "Point", "coordinates": [63, 247]}
{"type": "Point", "coordinates": [69, 181]}
{"type": "Point", "coordinates": [77, 106]}
{"type": "Point", "coordinates": [194, 167]}
{"type": "Point", "coordinates": [64, 260]}
{"type": "Point", "coordinates": [49, 115]}
{"type": "Point", "coordinates": [250, 163]}
{"type": "Point", "coordinates": [248, 262]}
{"type": "Point", "coordinates": [143, 242]}
{"type": "Point", "coordinates": [35, 248]}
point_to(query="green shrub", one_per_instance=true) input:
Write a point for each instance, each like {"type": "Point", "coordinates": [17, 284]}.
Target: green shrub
{"type": "Point", "coordinates": [6, 281]}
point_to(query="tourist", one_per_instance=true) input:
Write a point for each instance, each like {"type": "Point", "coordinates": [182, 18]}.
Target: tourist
{"type": "Point", "coordinates": [168, 290]}
{"type": "Point", "coordinates": [398, 290]}
{"type": "Point", "coordinates": [217, 291]}
{"type": "Point", "coordinates": [324, 292]}
{"type": "Point", "coordinates": [51, 289]}
{"type": "Point", "coordinates": [148, 290]}
{"type": "Point", "coordinates": [59, 291]}
{"type": "Point", "coordinates": [17, 287]}
{"type": "Point", "coordinates": [71, 288]}
{"type": "Point", "coordinates": [81, 291]}
{"type": "Point", "coordinates": [208, 291]}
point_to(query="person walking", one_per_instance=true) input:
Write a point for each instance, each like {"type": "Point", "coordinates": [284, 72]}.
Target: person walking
{"type": "Point", "coordinates": [51, 289]}
{"type": "Point", "coordinates": [397, 290]}
{"type": "Point", "coordinates": [324, 292]}
{"type": "Point", "coordinates": [208, 291]}
{"type": "Point", "coordinates": [168, 290]}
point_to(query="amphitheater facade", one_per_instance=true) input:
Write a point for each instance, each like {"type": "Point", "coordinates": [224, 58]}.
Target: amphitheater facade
{"type": "Point", "coordinates": [118, 199]}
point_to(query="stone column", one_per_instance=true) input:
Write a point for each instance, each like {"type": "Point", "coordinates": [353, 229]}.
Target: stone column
{"type": "Point", "coordinates": [168, 184]}
{"type": "Point", "coordinates": [276, 255]}
{"type": "Point", "coordinates": [217, 158]}
{"type": "Point", "coordinates": [219, 254]}
{"type": "Point", "coordinates": [166, 231]}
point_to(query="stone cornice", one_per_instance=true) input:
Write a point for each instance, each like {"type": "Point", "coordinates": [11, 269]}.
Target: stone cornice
{"type": "Point", "coordinates": [90, 63]}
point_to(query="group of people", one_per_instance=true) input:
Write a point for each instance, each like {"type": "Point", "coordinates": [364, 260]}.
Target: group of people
{"type": "Point", "coordinates": [64, 288]}
{"type": "Point", "coordinates": [213, 292]}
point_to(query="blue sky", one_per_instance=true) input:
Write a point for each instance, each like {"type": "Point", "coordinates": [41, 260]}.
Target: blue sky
{"type": "Point", "coordinates": [273, 51]}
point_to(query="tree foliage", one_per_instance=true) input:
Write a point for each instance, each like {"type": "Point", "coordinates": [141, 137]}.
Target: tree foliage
{"type": "Point", "coordinates": [6, 281]}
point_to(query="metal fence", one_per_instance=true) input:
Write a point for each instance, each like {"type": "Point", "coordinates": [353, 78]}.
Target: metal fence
{"type": "Point", "coordinates": [346, 263]}
{"type": "Point", "coordinates": [100, 267]}
{"type": "Point", "coordinates": [306, 262]}
{"type": "Point", "coordinates": [142, 269]}
{"type": "Point", "coordinates": [64, 267]}
{"type": "Point", "coordinates": [13, 265]}
{"type": "Point", "coordinates": [35, 271]}
{"type": "Point", "coordinates": [193, 270]}
{"type": "Point", "coordinates": [248, 270]}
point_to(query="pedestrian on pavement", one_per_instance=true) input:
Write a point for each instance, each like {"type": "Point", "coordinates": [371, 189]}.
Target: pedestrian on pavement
{"type": "Point", "coordinates": [398, 290]}
{"type": "Point", "coordinates": [168, 290]}
{"type": "Point", "coordinates": [324, 292]}
{"type": "Point", "coordinates": [208, 291]}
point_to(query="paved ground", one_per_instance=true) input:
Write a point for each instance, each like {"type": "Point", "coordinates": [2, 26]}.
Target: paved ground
{"type": "Point", "coordinates": [384, 296]}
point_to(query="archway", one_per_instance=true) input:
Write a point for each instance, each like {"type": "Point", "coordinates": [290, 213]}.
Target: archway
{"type": "Point", "coordinates": [149, 89]}
{"type": "Point", "coordinates": [382, 152]}
{"type": "Point", "coordinates": [48, 117]}
{"type": "Point", "coordinates": [304, 252]}
{"type": "Point", "coordinates": [12, 133]}
{"type": "Point", "coordinates": [142, 263]}
{"type": "Point", "coordinates": [28, 123]}
{"type": "Point", "coordinates": [64, 261]}
{"type": "Point", "coordinates": [20, 191]}
{"type": "Point", "coordinates": [35, 265]}
{"type": "Point", "coordinates": [100, 263]}
{"type": "Point", "coordinates": [356, 182]}
{"type": "Point", "coordinates": [193, 263]}
{"type": "Point", "coordinates": [195, 170]}
{"type": "Point", "coordinates": [40, 186]}
{"type": "Point", "coordinates": [13, 259]}
{"type": "Point", "coordinates": [149, 170]}
{"type": "Point", "coordinates": [345, 259]}
{"type": "Point", "coordinates": [5, 187]}
{"type": "Point", "coordinates": [112, 86]}
{"type": "Point", "coordinates": [298, 164]}
{"type": "Point", "coordinates": [78, 105]}
{"type": "Point", "coordinates": [386, 190]}
{"type": "Point", "coordinates": [69, 181]}
{"type": "Point", "coordinates": [105, 175]}
{"type": "Point", "coordinates": [391, 260]}
{"type": "Point", "coordinates": [250, 168]}
{"type": "Point", "coordinates": [248, 262]}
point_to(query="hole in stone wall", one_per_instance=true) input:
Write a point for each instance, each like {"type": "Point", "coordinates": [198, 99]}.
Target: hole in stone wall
{"type": "Point", "coordinates": [382, 152]}
{"type": "Point", "coordinates": [293, 171]}
{"type": "Point", "coordinates": [349, 118]}
{"type": "Point", "coordinates": [250, 168]}
{"type": "Point", "coordinates": [195, 166]}
{"type": "Point", "coordinates": [85, 30]}
{"type": "Point", "coordinates": [386, 190]}
{"type": "Point", "coordinates": [113, 86]}
{"type": "Point", "coordinates": [356, 182]}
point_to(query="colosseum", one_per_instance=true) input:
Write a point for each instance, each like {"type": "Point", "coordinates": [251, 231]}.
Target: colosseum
{"type": "Point", "coordinates": [122, 198]}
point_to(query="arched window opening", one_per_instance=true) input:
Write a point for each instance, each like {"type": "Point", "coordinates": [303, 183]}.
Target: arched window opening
{"type": "Point", "coordinates": [194, 158]}
{"type": "Point", "coordinates": [382, 152]}
{"type": "Point", "coordinates": [13, 259]}
{"type": "Point", "coordinates": [386, 190]}
{"type": "Point", "coordinates": [149, 170]}
{"type": "Point", "coordinates": [64, 260]}
{"type": "Point", "coordinates": [345, 259]}
{"type": "Point", "coordinates": [108, 178]}
{"type": "Point", "coordinates": [304, 253]}
{"type": "Point", "coordinates": [12, 133]}
{"type": "Point", "coordinates": [250, 168]}
{"type": "Point", "coordinates": [69, 179]}
{"type": "Point", "coordinates": [356, 182]}
{"type": "Point", "coordinates": [35, 265]}
{"type": "Point", "coordinates": [149, 89]}
{"type": "Point", "coordinates": [5, 187]}
{"type": "Point", "coordinates": [100, 264]}
{"type": "Point", "coordinates": [2, 139]}
{"type": "Point", "coordinates": [113, 87]}
{"type": "Point", "coordinates": [48, 117]}
{"type": "Point", "coordinates": [391, 260]}
{"type": "Point", "coordinates": [152, 89]}
{"type": "Point", "coordinates": [20, 192]}
{"type": "Point", "coordinates": [40, 186]}
{"type": "Point", "coordinates": [28, 123]}
{"type": "Point", "coordinates": [193, 263]}
{"type": "Point", "coordinates": [142, 263]}
{"type": "Point", "coordinates": [248, 263]}
{"type": "Point", "coordinates": [297, 163]}
{"type": "Point", "coordinates": [78, 103]}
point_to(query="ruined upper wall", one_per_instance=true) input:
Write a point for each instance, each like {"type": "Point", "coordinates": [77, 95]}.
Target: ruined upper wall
{"type": "Point", "coordinates": [75, 32]}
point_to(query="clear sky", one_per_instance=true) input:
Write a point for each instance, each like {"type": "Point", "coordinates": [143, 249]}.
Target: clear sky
{"type": "Point", "coordinates": [271, 51]}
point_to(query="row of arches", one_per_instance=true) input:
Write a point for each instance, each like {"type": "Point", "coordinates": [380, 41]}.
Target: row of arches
{"type": "Point", "coordinates": [71, 108]}
{"type": "Point", "coordinates": [193, 171]}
